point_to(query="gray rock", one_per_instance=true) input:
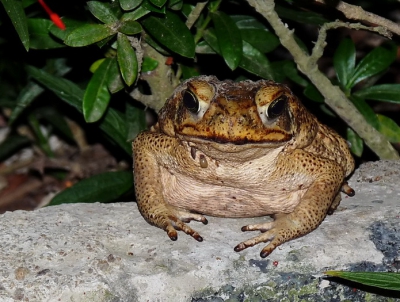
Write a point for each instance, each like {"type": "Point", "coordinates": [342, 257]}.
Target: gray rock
{"type": "Point", "coordinates": [107, 252]}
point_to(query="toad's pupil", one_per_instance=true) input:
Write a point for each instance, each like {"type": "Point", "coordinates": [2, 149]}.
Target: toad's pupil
{"type": "Point", "coordinates": [190, 101]}
{"type": "Point", "coordinates": [276, 108]}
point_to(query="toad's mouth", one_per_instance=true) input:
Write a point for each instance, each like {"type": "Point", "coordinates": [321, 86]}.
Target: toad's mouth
{"type": "Point", "coordinates": [274, 137]}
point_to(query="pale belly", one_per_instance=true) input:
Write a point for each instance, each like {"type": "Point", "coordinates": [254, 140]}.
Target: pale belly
{"type": "Point", "coordinates": [231, 199]}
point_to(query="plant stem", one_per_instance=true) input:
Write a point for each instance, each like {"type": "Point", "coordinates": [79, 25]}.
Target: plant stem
{"type": "Point", "coordinates": [334, 97]}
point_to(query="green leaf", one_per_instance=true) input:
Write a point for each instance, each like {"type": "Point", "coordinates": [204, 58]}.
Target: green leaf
{"type": "Point", "coordinates": [299, 16]}
{"type": "Point", "coordinates": [366, 111]}
{"type": "Point", "coordinates": [129, 4]}
{"type": "Point", "coordinates": [261, 39]}
{"type": "Point", "coordinates": [356, 142]}
{"type": "Point", "coordinates": [136, 14]}
{"type": "Point", "coordinates": [103, 187]}
{"type": "Point", "coordinates": [255, 62]}
{"type": "Point", "coordinates": [151, 7]}
{"type": "Point", "coordinates": [113, 124]}
{"type": "Point", "coordinates": [344, 61]}
{"type": "Point", "coordinates": [88, 34]}
{"type": "Point", "coordinates": [389, 128]}
{"type": "Point", "coordinates": [374, 62]}
{"type": "Point", "coordinates": [25, 97]}
{"type": "Point", "coordinates": [158, 3]}
{"type": "Point", "coordinates": [204, 48]}
{"type": "Point", "coordinates": [136, 120]}
{"type": "Point", "coordinates": [229, 39]}
{"type": "Point", "coordinates": [171, 32]}
{"type": "Point", "coordinates": [115, 81]}
{"type": "Point", "coordinates": [313, 93]}
{"type": "Point", "coordinates": [389, 281]}
{"type": "Point", "coordinates": [70, 26]}
{"type": "Point", "coordinates": [130, 27]}
{"type": "Point", "coordinates": [42, 138]}
{"type": "Point", "coordinates": [188, 72]}
{"type": "Point", "coordinates": [16, 13]}
{"type": "Point", "coordinates": [128, 64]}
{"type": "Point", "coordinates": [97, 96]}
{"type": "Point", "coordinates": [385, 92]}
{"type": "Point", "coordinates": [149, 64]}
{"type": "Point", "coordinates": [247, 22]}
{"type": "Point", "coordinates": [102, 11]}
{"type": "Point", "coordinates": [290, 70]}
{"type": "Point", "coordinates": [12, 144]}
{"type": "Point", "coordinates": [40, 34]}
{"type": "Point", "coordinates": [64, 89]}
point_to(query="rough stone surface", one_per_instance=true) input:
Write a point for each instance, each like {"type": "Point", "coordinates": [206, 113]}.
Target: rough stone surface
{"type": "Point", "coordinates": [107, 252]}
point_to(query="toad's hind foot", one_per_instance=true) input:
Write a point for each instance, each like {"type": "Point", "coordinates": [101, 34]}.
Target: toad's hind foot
{"type": "Point", "coordinates": [172, 219]}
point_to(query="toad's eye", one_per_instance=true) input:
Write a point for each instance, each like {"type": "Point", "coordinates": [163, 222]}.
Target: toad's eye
{"type": "Point", "coordinates": [191, 102]}
{"type": "Point", "coordinates": [277, 107]}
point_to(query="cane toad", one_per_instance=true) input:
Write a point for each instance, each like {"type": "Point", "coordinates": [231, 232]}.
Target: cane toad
{"type": "Point", "coordinates": [242, 149]}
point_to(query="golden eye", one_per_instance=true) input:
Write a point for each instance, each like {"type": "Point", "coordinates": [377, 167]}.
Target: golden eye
{"type": "Point", "coordinates": [191, 102]}
{"type": "Point", "coordinates": [277, 107]}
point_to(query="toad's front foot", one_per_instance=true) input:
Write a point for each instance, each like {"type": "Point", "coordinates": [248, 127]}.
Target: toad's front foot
{"type": "Point", "coordinates": [171, 219]}
{"type": "Point", "coordinates": [276, 232]}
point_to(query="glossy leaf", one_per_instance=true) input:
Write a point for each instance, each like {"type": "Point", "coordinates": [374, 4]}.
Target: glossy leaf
{"type": "Point", "coordinates": [130, 27]}
{"type": "Point", "coordinates": [261, 39]}
{"type": "Point", "coordinates": [171, 31]}
{"type": "Point", "coordinates": [229, 39]}
{"type": "Point", "coordinates": [102, 11]}
{"type": "Point", "coordinates": [290, 70]}
{"type": "Point", "coordinates": [113, 124]}
{"type": "Point", "coordinates": [64, 89]}
{"type": "Point", "coordinates": [136, 14]}
{"type": "Point", "coordinates": [313, 93]}
{"type": "Point", "coordinates": [385, 92]}
{"type": "Point", "coordinates": [356, 142]}
{"type": "Point", "coordinates": [40, 34]}
{"type": "Point", "coordinates": [97, 96]}
{"type": "Point", "coordinates": [16, 13]}
{"type": "Point", "coordinates": [344, 61]}
{"type": "Point", "coordinates": [389, 128]}
{"type": "Point", "coordinates": [153, 8]}
{"type": "Point", "coordinates": [149, 64]}
{"type": "Point", "coordinates": [136, 120]}
{"type": "Point", "coordinates": [188, 72]}
{"type": "Point", "coordinates": [247, 22]}
{"type": "Point", "coordinates": [385, 280]}
{"type": "Point", "coordinates": [88, 34]}
{"type": "Point", "coordinates": [128, 64]}
{"type": "Point", "coordinates": [158, 3]}
{"type": "Point", "coordinates": [129, 4]}
{"type": "Point", "coordinates": [25, 97]}
{"type": "Point", "coordinates": [255, 62]}
{"type": "Point", "coordinates": [366, 111]}
{"type": "Point", "coordinates": [70, 25]}
{"type": "Point", "coordinates": [99, 188]}
{"type": "Point", "coordinates": [115, 82]}
{"type": "Point", "coordinates": [374, 62]}
{"type": "Point", "coordinates": [300, 16]}
{"type": "Point", "coordinates": [204, 48]}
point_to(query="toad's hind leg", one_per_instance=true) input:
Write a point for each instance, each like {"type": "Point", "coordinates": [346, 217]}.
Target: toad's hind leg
{"type": "Point", "coordinates": [150, 200]}
{"type": "Point", "coordinates": [306, 217]}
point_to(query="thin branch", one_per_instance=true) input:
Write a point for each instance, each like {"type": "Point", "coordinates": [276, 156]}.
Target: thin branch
{"type": "Point", "coordinates": [195, 13]}
{"type": "Point", "coordinates": [357, 13]}
{"type": "Point", "coordinates": [334, 97]}
{"type": "Point", "coordinates": [320, 44]}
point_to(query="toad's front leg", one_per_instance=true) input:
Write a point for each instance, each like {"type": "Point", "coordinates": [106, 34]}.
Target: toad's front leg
{"type": "Point", "coordinates": [307, 215]}
{"type": "Point", "coordinates": [147, 148]}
